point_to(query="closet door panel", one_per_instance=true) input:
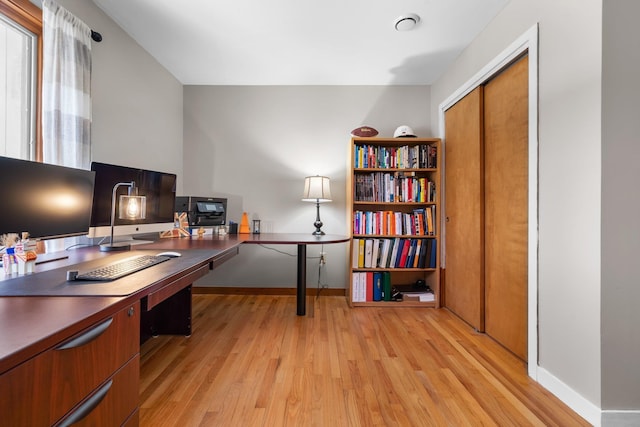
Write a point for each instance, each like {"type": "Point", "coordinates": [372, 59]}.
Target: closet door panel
{"type": "Point", "coordinates": [464, 287]}
{"type": "Point", "coordinates": [506, 210]}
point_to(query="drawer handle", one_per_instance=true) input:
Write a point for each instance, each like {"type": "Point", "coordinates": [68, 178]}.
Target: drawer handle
{"type": "Point", "coordinates": [87, 336]}
{"type": "Point", "coordinates": [88, 406]}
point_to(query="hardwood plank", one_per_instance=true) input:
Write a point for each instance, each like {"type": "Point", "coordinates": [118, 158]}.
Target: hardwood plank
{"type": "Point", "coordinates": [251, 361]}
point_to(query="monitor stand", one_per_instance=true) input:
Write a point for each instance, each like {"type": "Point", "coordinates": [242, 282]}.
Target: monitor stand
{"type": "Point", "coordinates": [131, 240]}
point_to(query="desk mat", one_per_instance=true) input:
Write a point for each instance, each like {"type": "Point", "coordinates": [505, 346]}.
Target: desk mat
{"type": "Point", "coordinates": [53, 282]}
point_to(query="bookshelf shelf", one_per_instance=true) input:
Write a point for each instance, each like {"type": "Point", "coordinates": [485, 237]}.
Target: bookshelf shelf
{"type": "Point", "coordinates": [362, 202]}
{"type": "Point", "coordinates": [393, 269]}
{"type": "Point", "coordinates": [395, 304]}
{"type": "Point", "coordinates": [391, 236]}
{"type": "Point", "coordinates": [393, 191]}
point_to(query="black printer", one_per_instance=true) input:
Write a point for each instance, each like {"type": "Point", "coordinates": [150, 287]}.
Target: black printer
{"type": "Point", "coordinates": [203, 211]}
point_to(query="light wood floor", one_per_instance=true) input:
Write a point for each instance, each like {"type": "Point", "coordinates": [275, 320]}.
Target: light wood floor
{"type": "Point", "coordinates": [252, 362]}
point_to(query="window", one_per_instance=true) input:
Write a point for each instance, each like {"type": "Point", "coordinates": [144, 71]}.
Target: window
{"type": "Point", "coordinates": [20, 77]}
{"type": "Point", "coordinates": [17, 112]}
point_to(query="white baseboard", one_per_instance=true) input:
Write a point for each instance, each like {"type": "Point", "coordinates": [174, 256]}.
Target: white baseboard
{"type": "Point", "coordinates": [571, 398]}
{"type": "Point", "coordinates": [583, 407]}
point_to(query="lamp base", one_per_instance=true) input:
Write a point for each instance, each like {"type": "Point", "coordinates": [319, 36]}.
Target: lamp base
{"type": "Point", "coordinates": [318, 224]}
{"type": "Point", "coordinates": [117, 246]}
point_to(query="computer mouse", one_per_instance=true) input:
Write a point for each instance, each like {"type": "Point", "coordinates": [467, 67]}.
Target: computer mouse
{"type": "Point", "coordinates": [170, 254]}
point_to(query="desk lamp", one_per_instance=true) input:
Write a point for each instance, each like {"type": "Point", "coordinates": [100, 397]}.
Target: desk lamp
{"type": "Point", "coordinates": [317, 189]}
{"type": "Point", "coordinates": [131, 206]}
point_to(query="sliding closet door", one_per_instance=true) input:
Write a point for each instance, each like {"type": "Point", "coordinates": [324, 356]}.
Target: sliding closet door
{"type": "Point", "coordinates": [464, 279]}
{"type": "Point", "coordinates": [486, 194]}
{"type": "Point", "coordinates": [506, 211]}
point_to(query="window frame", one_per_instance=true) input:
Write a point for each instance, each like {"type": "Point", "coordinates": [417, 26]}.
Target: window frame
{"type": "Point", "coordinates": [29, 16]}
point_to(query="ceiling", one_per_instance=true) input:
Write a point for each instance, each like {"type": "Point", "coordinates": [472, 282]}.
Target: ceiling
{"type": "Point", "coordinates": [302, 42]}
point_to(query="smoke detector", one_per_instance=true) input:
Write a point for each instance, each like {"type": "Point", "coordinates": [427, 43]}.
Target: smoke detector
{"type": "Point", "coordinates": [406, 22]}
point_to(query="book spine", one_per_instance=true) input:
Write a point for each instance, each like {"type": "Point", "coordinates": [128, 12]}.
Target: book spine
{"type": "Point", "coordinates": [368, 250]}
{"type": "Point", "coordinates": [377, 286]}
{"type": "Point", "coordinates": [355, 287]}
{"type": "Point", "coordinates": [386, 286]}
{"type": "Point", "coordinates": [369, 286]}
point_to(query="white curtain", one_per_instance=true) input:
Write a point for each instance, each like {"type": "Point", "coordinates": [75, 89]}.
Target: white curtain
{"type": "Point", "coordinates": [66, 89]}
{"type": "Point", "coordinates": [66, 94]}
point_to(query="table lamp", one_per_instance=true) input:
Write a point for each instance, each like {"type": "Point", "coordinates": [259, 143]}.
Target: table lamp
{"type": "Point", "coordinates": [131, 206]}
{"type": "Point", "coordinates": [317, 189]}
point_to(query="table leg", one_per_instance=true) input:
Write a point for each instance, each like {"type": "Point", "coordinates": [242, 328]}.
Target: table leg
{"type": "Point", "coordinates": [301, 293]}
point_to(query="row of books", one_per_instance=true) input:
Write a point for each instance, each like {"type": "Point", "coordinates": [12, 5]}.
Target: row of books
{"type": "Point", "coordinates": [404, 157]}
{"type": "Point", "coordinates": [371, 286]}
{"type": "Point", "coordinates": [393, 187]}
{"type": "Point", "coordinates": [420, 222]}
{"type": "Point", "coordinates": [367, 286]}
{"type": "Point", "coordinates": [394, 253]}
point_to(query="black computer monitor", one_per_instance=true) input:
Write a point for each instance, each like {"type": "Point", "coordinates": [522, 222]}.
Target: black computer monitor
{"type": "Point", "coordinates": [47, 201]}
{"type": "Point", "coordinates": [159, 188]}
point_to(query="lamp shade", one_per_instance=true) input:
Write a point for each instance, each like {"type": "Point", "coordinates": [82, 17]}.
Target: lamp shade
{"type": "Point", "coordinates": [316, 189]}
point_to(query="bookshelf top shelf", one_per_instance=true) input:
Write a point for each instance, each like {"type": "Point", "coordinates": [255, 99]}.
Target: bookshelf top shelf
{"type": "Point", "coordinates": [393, 142]}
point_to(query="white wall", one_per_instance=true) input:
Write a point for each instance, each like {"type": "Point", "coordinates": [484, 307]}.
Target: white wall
{"type": "Point", "coordinates": [137, 104]}
{"type": "Point", "coordinates": [620, 207]}
{"type": "Point", "coordinates": [569, 182]}
{"type": "Point", "coordinates": [255, 144]}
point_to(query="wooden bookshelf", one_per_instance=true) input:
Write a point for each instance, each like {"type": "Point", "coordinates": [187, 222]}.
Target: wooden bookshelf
{"type": "Point", "coordinates": [393, 202]}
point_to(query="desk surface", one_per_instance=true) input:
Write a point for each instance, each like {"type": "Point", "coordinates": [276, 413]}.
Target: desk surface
{"type": "Point", "coordinates": [54, 283]}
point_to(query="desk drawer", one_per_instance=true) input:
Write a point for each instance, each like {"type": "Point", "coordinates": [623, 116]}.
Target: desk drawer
{"type": "Point", "coordinates": [42, 390]}
{"type": "Point", "coordinates": [112, 403]}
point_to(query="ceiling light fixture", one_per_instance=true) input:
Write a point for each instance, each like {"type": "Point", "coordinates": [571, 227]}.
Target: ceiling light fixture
{"type": "Point", "coordinates": [406, 22]}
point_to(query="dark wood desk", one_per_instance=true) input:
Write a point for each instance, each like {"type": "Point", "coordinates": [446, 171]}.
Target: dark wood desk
{"type": "Point", "coordinates": [19, 335]}
{"type": "Point", "coordinates": [300, 240]}
{"type": "Point", "coordinates": [36, 308]}
{"type": "Point", "coordinates": [28, 294]}
{"type": "Point", "coordinates": [49, 327]}
{"type": "Point", "coordinates": [70, 350]}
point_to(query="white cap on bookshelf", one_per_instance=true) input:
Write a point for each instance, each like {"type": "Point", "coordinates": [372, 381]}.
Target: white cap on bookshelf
{"type": "Point", "coordinates": [404, 131]}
